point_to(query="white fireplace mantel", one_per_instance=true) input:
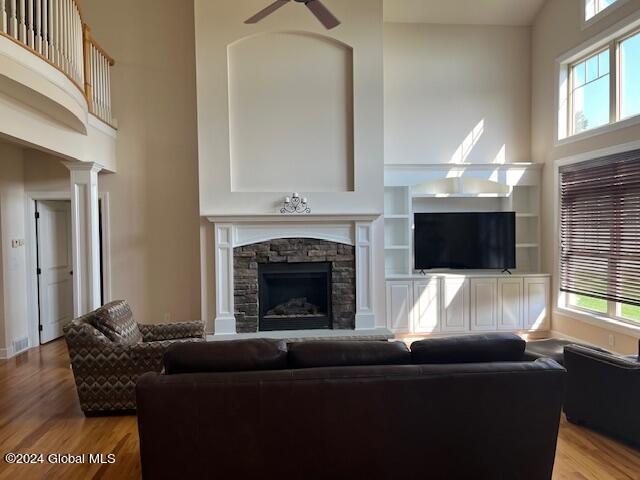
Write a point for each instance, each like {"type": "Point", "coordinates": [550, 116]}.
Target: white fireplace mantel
{"type": "Point", "coordinates": [237, 230]}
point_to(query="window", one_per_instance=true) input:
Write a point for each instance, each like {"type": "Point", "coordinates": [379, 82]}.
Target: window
{"type": "Point", "coordinates": [594, 7]}
{"type": "Point", "coordinates": [600, 86]}
{"type": "Point", "coordinates": [630, 76]}
{"type": "Point", "coordinates": [600, 236]}
{"type": "Point", "coordinates": [590, 92]}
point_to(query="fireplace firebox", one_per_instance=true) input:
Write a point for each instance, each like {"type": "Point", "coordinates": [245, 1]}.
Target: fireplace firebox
{"type": "Point", "coordinates": [294, 296]}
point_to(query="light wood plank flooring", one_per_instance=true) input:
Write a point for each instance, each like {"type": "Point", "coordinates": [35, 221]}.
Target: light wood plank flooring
{"type": "Point", "coordinates": [39, 412]}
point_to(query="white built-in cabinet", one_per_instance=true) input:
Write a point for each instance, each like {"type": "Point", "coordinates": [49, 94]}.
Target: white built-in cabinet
{"type": "Point", "coordinates": [449, 304]}
{"type": "Point", "coordinates": [399, 306]}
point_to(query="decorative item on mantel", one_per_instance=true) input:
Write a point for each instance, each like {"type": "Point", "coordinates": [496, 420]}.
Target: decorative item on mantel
{"type": "Point", "coordinates": [295, 204]}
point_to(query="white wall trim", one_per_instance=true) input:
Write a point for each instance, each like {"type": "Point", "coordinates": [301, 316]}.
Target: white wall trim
{"type": "Point", "coordinates": [608, 128]}
{"type": "Point", "coordinates": [618, 30]}
{"type": "Point", "coordinates": [365, 317]}
{"type": "Point", "coordinates": [600, 15]}
{"type": "Point", "coordinates": [352, 230]}
{"type": "Point", "coordinates": [32, 254]}
{"type": "Point", "coordinates": [6, 353]}
{"type": "Point", "coordinates": [601, 321]}
{"type": "Point", "coordinates": [247, 234]}
{"type": "Point", "coordinates": [106, 246]}
{"type": "Point", "coordinates": [225, 321]}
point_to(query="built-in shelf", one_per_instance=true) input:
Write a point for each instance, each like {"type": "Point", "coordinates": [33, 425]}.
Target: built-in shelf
{"type": "Point", "coordinates": [441, 188]}
{"type": "Point", "coordinates": [461, 195]}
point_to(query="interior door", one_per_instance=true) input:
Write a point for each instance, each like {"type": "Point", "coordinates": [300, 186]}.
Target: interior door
{"type": "Point", "coordinates": [55, 281]}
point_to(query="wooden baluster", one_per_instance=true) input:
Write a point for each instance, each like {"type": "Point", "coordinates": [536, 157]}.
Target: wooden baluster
{"type": "Point", "coordinates": [109, 114]}
{"type": "Point", "coordinates": [79, 68]}
{"type": "Point", "coordinates": [22, 27]}
{"type": "Point", "coordinates": [38, 25]}
{"type": "Point", "coordinates": [30, 33]}
{"type": "Point", "coordinates": [45, 28]}
{"type": "Point", "coordinates": [65, 35]}
{"type": "Point", "coordinates": [100, 82]}
{"type": "Point", "coordinates": [94, 80]}
{"type": "Point", "coordinates": [105, 70]}
{"type": "Point", "coordinates": [58, 35]}
{"type": "Point", "coordinates": [3, 16]}
{"type": "Point", "coordinates": [86, 51]}
{"type": "Point", "coordinates": [13, 19]}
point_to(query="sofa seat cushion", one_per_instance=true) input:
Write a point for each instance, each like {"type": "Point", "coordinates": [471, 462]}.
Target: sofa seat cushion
{"type": "Point", "coordinates": [226, 356]}
{"type": "Point", "coordinates": [492, 347]}
{"type": "Point", "coordinates": [347, 353]}
{"type": "Point", "coordinates": [115, 321]}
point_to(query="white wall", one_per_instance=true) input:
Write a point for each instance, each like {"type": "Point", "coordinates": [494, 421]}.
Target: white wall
{"type": "Point", "coordinates": [219, 25]}
{"type": "Point", "coordinates": [13, 278]}
{"type": "Point", "coordinates": [456, 93]}
{"type": "Point", "coordinates": [290, 113]}
{"type": "Point", "coordinates": [557, 30]}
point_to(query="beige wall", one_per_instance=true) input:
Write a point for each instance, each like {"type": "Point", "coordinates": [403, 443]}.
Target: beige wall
{"type": "Point", "coordinates": [557, 29]}
{"type": "Point", "coordinates": [443, 82]}
{"type": "Point", "coordinates": [13, 275]}
{"type": "Point", "coordinates": [154, 195]}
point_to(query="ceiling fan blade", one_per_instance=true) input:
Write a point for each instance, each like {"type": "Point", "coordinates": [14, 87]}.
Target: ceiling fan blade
{"type": "Point", "coordinates": [267, 11]}
{"type": "Point", "coordinates": [323, 14]}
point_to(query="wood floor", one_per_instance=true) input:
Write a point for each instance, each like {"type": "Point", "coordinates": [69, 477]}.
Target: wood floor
{"type": "Point", "coordinates": [39, 413]}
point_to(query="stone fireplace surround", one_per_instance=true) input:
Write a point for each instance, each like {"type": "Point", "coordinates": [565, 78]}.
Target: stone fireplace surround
{"type": "Point", "coordinates": [246, 261]}
{"type": "Point", "coordinates": [353, 231]}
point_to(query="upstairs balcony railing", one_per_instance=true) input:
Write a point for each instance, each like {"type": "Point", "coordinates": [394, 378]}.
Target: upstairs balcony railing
{"type": "Point", "coordinates": [55, 31]}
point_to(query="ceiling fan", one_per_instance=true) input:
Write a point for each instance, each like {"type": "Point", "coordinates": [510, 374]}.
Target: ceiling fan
{"type": "Point", "coordinates": [321, 12]}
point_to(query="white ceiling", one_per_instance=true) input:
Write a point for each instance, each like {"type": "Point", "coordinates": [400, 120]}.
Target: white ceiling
{"type": "Point", "coordinates": [462, 12]}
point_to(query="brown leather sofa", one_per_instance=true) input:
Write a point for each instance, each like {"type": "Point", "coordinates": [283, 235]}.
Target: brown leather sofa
{"type": "Point", "coordinates": [603, 391]}
{"type": "Point", "coordinates": [350, 410]}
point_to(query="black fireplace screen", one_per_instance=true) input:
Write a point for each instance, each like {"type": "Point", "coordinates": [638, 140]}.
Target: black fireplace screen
{"type": "Point", "coordinates": [294, 296]}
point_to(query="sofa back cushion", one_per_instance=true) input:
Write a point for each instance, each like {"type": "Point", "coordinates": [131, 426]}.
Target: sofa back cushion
{"type": "Point", "coordinates": [493, 347]}
{"type": "Point", "coordinates": [347, 353]}
{"type": "Point", "coordinates": [116, 322]}
{"type": "Point", "coordinates": [231, 356]}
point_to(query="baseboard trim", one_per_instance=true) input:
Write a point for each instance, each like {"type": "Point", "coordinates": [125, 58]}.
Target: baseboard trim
{"type": "Point", "coordinates": [6, 353]}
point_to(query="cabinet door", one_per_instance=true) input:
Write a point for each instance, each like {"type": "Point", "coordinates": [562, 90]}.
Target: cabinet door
{"type": "Point", "coordinates": [455, 305]}
{"type": "Point", "coordinates": [399, 303]}
{"type": "Point", "coordinates": [536, 303]}
{"type": "Point", "coordinates": [484, 300]}
{"type": "Point", "coordinates": [510, 304]}
{"type": "Point", "coordinates": [426, 311]}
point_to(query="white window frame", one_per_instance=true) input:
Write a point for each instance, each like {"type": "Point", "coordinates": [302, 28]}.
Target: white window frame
{"type": "Point", "coordinates": [612, 319]}
{"type": "Point", "coordinates": [609, 38]}
{"type": "Point", "coordinates": [586, 23]}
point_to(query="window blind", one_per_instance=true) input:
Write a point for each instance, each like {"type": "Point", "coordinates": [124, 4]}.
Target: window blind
{"type": "Point", "coordinates": [600, 228]}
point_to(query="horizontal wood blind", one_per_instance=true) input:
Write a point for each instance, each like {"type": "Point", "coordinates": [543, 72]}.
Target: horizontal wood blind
{"type": "Point", "coordinates": [600, 228]}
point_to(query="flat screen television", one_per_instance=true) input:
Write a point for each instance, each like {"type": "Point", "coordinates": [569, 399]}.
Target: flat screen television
{"type": "Point", "coordinates": [484, 240]}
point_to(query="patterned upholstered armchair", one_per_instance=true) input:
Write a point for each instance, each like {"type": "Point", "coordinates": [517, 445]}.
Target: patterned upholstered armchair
{"type": "Point", "coordinates": [109, 350]}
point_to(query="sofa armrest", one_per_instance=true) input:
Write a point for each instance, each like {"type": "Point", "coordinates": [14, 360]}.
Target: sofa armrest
{"type": "Point", "coordinates": [602, 357]}
{"type": "Point", "coordinates": [172, 331]}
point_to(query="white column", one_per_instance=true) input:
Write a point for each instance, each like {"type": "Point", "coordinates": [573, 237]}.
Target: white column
{"type": "Point", "coordinates": [225, 322]}
{"type": "Point", "coordinates": [85, 236]}
{"type": "Point", "coordinates": [365, 317]}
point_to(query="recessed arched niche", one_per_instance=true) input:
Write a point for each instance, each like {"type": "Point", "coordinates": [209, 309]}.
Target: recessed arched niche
{"type": "Point", "coordinates": [291, 113]}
